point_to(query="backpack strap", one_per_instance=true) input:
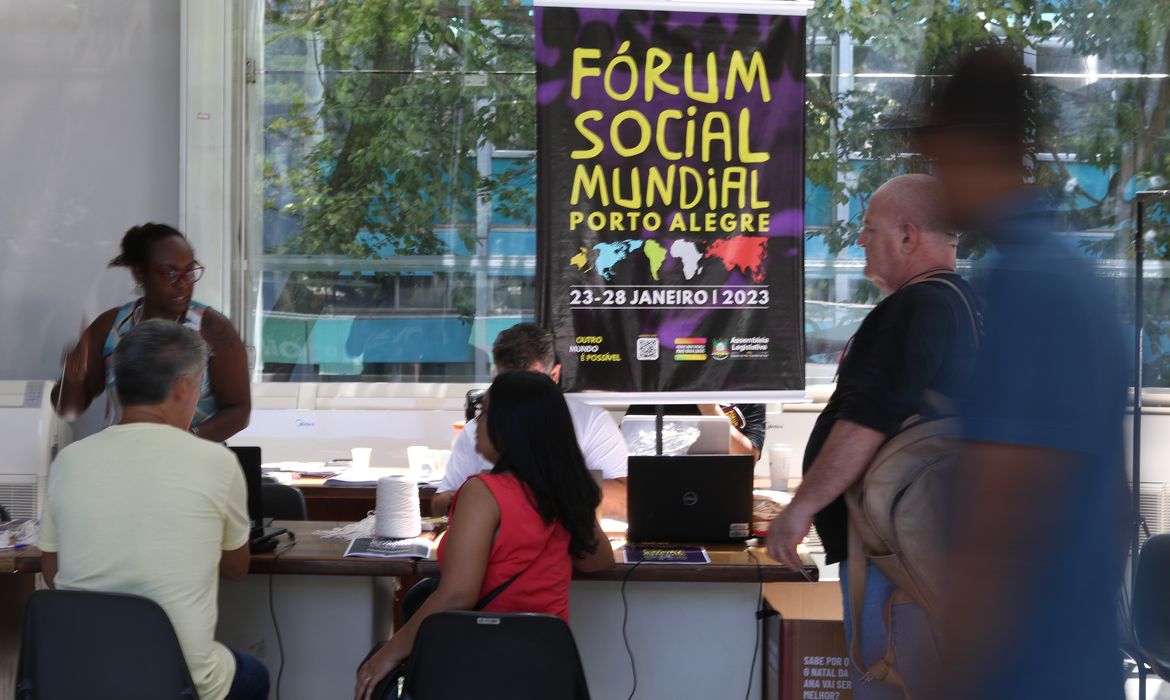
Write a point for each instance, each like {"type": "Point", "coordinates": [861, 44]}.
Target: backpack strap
{"type": "Point", "coordinates": [972, 317]}
{"type": "Point", "coordinates": [934, 400]}
{"type": "Point", "coordinates": [883, 670]}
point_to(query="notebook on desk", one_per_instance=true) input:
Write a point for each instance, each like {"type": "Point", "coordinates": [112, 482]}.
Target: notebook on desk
{"type": "Point", "coordinates": [250, 461]}
{"type": "Point", "coordinates": [664, 554]}
{"type": "Point", "coordinates": [690, 498]}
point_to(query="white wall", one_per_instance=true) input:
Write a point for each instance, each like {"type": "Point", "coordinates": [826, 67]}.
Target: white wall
{"type": "Point", "coordinates": [90, 144]}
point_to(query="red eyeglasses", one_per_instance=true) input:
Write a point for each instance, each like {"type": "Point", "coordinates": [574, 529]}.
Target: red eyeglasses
{"type": "Point", "coordinates": [170, 275]}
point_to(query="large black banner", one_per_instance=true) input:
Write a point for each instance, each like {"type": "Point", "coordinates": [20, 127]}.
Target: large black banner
{"type": "Point", "coordinates": [670, 197]}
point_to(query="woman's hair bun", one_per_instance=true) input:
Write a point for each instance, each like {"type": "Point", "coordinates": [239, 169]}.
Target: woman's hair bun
{"type": "Point", "coordinates": [137, 241]}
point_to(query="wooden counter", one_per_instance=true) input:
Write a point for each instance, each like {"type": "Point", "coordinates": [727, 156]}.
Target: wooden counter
{"type": "Point", "coordinates": [20, 561]}
{"type": "Point", "coordinates": [313, 555]}
{"type": "Point", "coordinates": [317, 556]}
{"type": "Point", "coordinates": [729, 564]}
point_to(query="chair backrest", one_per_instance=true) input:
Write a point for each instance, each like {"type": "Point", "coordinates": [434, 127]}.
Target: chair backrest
{"type": "Point", "coordinates": [79, 644]}
{"type": "Point", "coordinates": [1151, 604]}
{"type": "Point", "coordinates": [519, 656]}
{"type": "Point", "coordinates": [283, 502]}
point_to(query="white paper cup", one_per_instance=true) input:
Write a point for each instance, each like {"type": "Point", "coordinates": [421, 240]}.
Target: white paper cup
{"type": "Point", "coordinates": [779, 457]}
{"type": "Point", "coordinates": [439, 459]}
{"type": "Point", "coordinates": [421, 461]}
{"type": "Point", "coordinates": [361, 457]}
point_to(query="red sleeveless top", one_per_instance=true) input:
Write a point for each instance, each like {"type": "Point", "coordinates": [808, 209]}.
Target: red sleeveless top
{"type": "Point", "coordinates": [524, 544]}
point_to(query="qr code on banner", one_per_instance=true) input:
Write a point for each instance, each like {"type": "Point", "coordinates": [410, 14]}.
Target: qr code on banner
{"type": "Point", "coordinates": [647, 348]}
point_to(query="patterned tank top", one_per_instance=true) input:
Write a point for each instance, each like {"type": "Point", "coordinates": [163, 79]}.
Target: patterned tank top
{"type": "Point", "coordinates": [127, 317]}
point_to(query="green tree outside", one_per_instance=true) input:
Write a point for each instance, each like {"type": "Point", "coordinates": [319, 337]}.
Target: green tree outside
{"type": "Point", "coordinates": [387, 104]}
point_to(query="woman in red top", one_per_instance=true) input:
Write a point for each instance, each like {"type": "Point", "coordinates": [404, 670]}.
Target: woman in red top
{"type": "Point", "coordinates": [531, 521]}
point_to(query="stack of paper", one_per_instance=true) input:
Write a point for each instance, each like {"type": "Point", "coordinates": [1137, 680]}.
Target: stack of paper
{"type": "Point", "coordinates": [322, 470]}
{"type": "Point", "coordinates": [358, 476]}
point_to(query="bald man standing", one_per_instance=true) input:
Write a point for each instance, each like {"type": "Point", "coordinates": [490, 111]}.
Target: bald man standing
{"type": "Point", "coordinates": [919, 338]}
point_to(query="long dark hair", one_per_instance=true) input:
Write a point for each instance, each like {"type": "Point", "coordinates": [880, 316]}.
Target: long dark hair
{"type": "Point", "coordinates": [529, 424]}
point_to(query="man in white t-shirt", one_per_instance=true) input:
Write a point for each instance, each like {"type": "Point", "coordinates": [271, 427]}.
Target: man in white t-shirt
{"type": "Point", "coordinates": [148, 509]}
{"type": "Point", "coordinates": [527, 346]}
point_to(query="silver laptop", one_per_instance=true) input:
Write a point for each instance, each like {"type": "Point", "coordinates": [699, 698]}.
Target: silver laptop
{"type": "Point", "coordinates": [713, 433]}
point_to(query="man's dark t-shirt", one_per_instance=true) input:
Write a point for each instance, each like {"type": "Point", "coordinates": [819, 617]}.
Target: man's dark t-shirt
{"type": "Point", "coordinates": [918, 338]}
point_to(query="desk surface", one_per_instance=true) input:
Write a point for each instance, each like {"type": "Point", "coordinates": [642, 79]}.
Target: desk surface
{"type": "Point", "coordinates": [317, 486]}
{"type": "Point", "coordinates": [313, 555]}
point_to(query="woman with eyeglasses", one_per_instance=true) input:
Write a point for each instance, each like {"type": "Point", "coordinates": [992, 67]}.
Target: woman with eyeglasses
{"type": "Point", "coordinates": [165, 271]}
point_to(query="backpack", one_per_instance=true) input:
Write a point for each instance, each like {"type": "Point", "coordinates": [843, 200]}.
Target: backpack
{"type": "Point", "coordinates": [897, 513]}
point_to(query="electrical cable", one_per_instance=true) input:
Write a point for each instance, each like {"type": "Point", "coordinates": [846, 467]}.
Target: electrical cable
{"type": "Point", "coordinates": [272, 608]}
{"type": "Point", "coordinates": [60, 389]}
{"type": "Point", "coordinates": [625, 635]}
{"type": "Point", "coordinates": [760, 615]}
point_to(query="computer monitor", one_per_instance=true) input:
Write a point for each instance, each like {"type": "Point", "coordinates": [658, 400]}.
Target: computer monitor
{"type": "Point", "coordinates": [250, 461]}
{"type": "Point", "coordinates": [714, 433]}
{"type": "Point", "coordinates": [263, 538]}
{"type": "Point", "coordinates": [690, 498]}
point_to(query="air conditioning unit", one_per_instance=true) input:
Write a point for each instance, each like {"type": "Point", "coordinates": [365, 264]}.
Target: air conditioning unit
{"type": "Point", "coordinates": [1154, 508]}
{"type": "Point", "coordinates": [31, 434]}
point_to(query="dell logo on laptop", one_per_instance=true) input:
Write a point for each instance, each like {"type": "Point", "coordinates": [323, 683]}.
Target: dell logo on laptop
{"type": "Point", "coordinates": [690, 498]}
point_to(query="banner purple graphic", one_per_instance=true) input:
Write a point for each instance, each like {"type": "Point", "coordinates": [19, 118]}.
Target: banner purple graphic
{"type": "Point", "coordinates": [671, 198]}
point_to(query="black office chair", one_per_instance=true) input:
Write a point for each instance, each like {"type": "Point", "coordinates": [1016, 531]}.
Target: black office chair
{"type": "Point", "coordinates": [518, 656]}
{"type": "Point", "coordinates": [414, 598]}
{"type": "Point", "coordinates": [78, 644]}
{"type": "Point", "coordinates": [281, 502]}
{"type": "Point", "coordinates": [1151, 604]}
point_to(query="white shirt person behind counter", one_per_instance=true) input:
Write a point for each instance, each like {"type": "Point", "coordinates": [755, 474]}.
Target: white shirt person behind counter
{"type": "Point", "coordinates": [527, 346]}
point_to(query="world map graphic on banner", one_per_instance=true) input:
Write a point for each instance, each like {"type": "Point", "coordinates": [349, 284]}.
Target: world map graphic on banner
{"type": "Point", "coordinates": [747, 254]}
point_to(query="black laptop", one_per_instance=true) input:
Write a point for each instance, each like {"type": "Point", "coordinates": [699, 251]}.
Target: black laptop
{"type": "Point", "coordinates": [262, 535]}
{"type": "Point", "coordinates": [690, 498]}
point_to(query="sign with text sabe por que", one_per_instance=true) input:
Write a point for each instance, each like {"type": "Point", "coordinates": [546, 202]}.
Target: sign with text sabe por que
{"type": "Point", "coordinates": [671, 195]}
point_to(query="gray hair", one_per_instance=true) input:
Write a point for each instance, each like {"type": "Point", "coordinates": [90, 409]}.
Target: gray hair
{"type": "Point", "coordinates": [152, 357]}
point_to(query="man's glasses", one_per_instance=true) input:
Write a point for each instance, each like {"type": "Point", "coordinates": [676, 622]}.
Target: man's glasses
{"type": "Point", "coordinates": [170, 275]}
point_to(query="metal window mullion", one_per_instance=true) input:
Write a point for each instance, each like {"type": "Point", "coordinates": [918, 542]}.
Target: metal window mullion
{"type": "Point", "coordinates": [483, 222]}
{"type": "Point", "coordinates": [841, 82]}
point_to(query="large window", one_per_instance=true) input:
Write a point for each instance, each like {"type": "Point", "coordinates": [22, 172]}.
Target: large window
{"type": "Point", "coordinates": [394, 169]}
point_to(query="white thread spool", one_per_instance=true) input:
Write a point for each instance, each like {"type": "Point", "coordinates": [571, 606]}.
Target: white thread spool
{"type": "Point", "coordinates": [396, 511]}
